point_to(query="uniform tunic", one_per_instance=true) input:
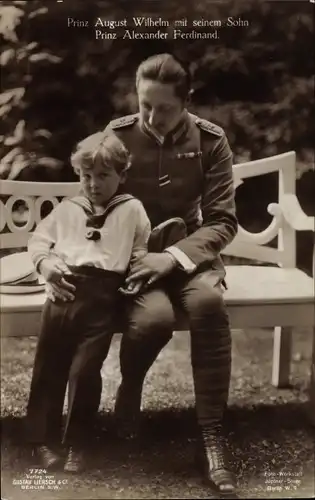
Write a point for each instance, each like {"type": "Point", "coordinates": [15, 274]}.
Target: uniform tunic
{"type": "Point", "coordinates": [187, 175]}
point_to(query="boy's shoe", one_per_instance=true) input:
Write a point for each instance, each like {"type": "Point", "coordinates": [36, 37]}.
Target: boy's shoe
{"type": "Point", "coordinates": [49, 458]}
{"type": "Point", "coordinates": [75, 462]}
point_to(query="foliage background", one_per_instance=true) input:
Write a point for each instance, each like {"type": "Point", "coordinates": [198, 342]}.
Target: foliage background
{"type": "Point", "coordinates": [60, 84]}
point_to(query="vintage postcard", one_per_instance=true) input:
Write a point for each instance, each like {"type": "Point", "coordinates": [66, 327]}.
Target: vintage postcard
{"type": "Point", "coordinates": [156, 246]}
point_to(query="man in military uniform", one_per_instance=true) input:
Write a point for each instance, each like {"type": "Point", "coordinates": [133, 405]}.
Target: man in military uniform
{"type": "Point", "coordinates": [181, 167]}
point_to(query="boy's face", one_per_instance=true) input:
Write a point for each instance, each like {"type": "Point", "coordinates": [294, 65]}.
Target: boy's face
{"type": "Point", "coordinates": [159, 106]}
{"type": "Point", "coordinates": [100, 183]}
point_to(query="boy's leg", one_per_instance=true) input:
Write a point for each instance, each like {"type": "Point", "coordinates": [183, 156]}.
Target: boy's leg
{"type": "Point", "coordinates": [97, 293]}
{"type": "Point", "coordinates": [50, 373]}
{"type": "Point", "coordinates": [86, 366]}
{"type": "Point", "coordinates": [93, 341]}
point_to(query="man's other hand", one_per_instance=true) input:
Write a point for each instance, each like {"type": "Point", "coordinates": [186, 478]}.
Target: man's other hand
{"type": "Point", "coordinates": [152, 267]}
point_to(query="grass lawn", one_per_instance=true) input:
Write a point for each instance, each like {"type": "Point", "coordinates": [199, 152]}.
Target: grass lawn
{"type": "Point", "coordinates": [271, 439]}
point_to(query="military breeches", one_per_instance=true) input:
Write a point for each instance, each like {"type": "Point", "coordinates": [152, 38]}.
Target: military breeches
{"type": "Point", "coordinates": [151, 323]}
{"type": "Point", "coordinates": [73, 343]}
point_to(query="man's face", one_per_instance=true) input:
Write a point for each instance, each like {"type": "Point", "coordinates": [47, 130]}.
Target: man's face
{"type": "Point", "coordinates": [100, 183]}
{"type": "Point", "coordinates": [159, 106]}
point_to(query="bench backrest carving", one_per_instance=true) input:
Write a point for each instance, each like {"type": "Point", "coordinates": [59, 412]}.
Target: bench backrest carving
{"type": "Point", "coordinates": [35, 195]}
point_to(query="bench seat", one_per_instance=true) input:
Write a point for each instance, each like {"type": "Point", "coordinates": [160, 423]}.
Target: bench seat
{"type": "Point", "coordinates": [287, 293]}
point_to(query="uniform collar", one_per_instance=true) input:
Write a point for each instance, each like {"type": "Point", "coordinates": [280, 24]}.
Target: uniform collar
{"type": "Point", "coordinates": [172, 136]}
{"type": "Point", "coordinates": [160, 139]}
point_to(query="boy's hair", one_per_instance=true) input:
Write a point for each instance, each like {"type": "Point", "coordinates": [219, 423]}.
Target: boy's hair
{"type": "Point", "coordinates": [107, 150]}
{"type": "Point", "coordinates": [165, 68]}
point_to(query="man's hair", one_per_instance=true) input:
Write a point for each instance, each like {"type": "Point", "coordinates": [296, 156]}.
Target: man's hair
{"type": "Point", "coordinates": [107, 150]}
{"type": "Point", "coordinates": [165, 68]}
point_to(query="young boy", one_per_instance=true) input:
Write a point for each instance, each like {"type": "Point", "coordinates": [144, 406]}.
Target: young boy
{"type": "Point", "coordinates": [92, 240]}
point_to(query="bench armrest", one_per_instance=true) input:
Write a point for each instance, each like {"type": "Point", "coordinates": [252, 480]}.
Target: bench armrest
{"type": "Point", "coordinates": [293, 214]}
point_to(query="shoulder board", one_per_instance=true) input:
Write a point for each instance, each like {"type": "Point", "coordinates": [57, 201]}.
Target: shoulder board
{"type": "Point", "coordinates": [209, 127]}
{"type": "Point", "coordinates": [124, 121]}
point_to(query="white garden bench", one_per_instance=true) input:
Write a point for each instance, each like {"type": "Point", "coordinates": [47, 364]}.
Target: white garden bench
{"type": "Point", "coordinates": [281, 297]}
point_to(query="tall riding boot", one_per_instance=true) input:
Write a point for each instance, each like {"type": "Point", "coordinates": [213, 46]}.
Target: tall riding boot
{"type": "Point", "coordinates": [211, 359]}
{"type": "Point", "coordinates": [214, 461]}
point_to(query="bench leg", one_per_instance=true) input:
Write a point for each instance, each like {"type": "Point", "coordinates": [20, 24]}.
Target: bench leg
{"type": "Point", "coordinates": [312, 385]}
{"type": "Point", "coordinates": [282, 342]}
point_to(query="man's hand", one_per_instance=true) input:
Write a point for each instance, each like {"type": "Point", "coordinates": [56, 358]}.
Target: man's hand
{"type": "Point", "coordinates": [57, 286]}
{"type": "Point", "coordinates": [152, 267]}
{"type": "Point", "coordinates": [132, 288]}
